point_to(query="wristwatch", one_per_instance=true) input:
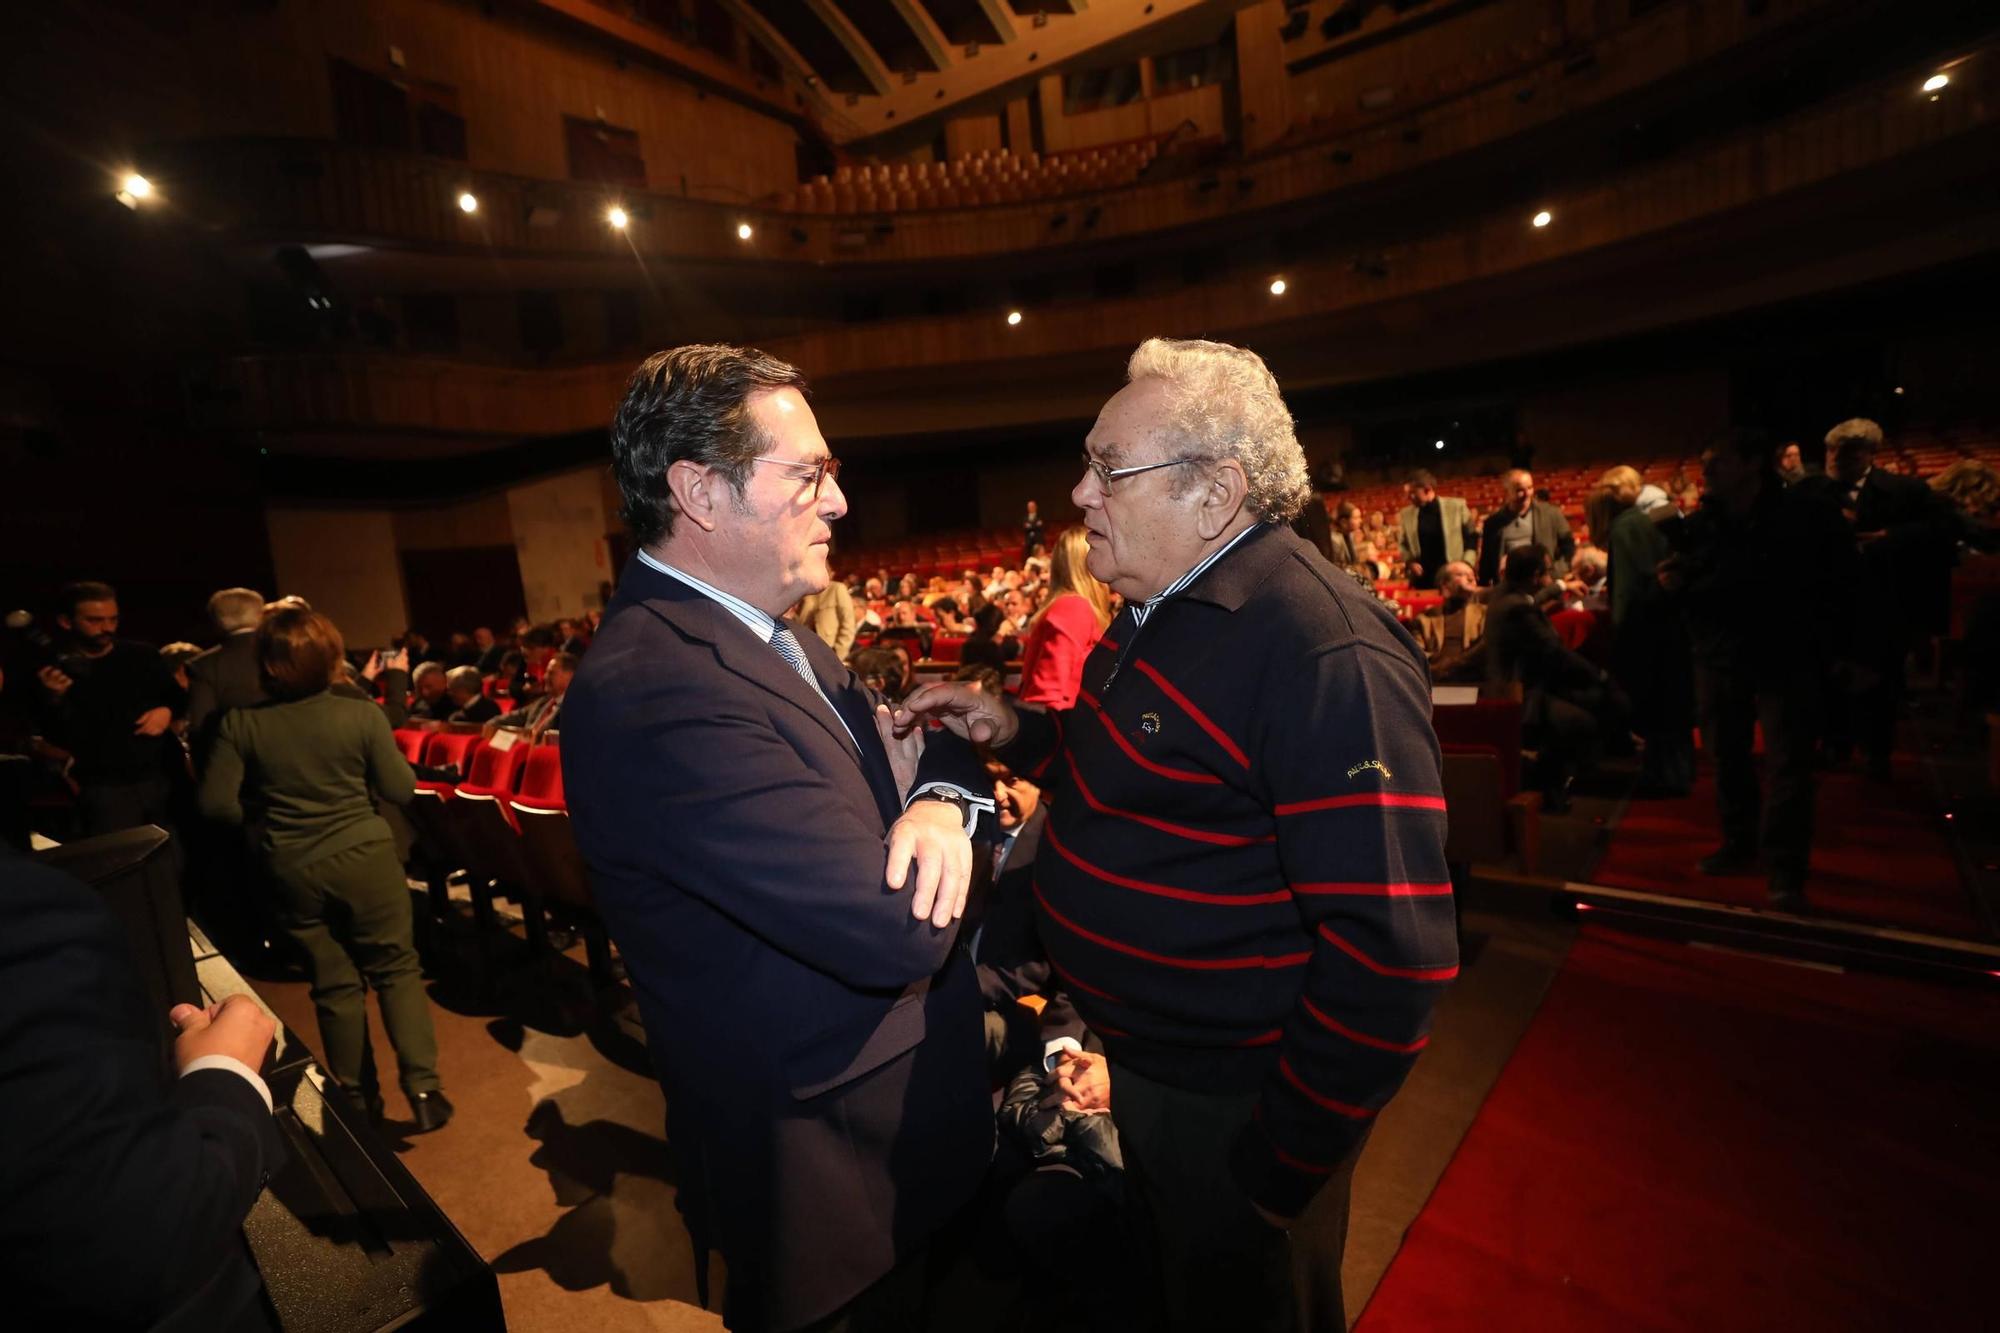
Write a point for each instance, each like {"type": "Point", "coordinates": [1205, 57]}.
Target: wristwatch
{"type": "Point", "coordinates": [952, 796]}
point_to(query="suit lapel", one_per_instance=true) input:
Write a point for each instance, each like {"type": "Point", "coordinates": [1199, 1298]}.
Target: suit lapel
{"type": "Point", "coordinates": [736, 647]}
{"type": "Point", "coordinates": [847, 694]}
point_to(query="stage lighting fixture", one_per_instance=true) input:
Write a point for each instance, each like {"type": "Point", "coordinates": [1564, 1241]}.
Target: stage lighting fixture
{"type": "Point", "coordinates": [1277, 286]}
{"type": "Point", "coordinates": [133, 189]}
{"type": "Point", "coordinates": [468, 202]}
{"type": "Point", "coordinates": [1937, 83]}
{"type": "Point", "coordinates": [1058, 222]}
{"type": "Point", "coordinates": [1013, 318]}
{"type": "Point", "coordinates": [1544, 218]}
{"type": "Point", "coordinates": [744, 231]}
{"type": "Point", "coordinates": [617, 218]}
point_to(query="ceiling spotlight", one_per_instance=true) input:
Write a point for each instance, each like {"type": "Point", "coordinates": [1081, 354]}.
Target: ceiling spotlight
{"type": "Point", "coordinates": [1277, 286]}
{"type": "Point", "coordinates": [1899, 391]}
{"type": "Point", "coordinates": [133, 189]}
{"type": "Point", "coordinates": [1013, 318]}
{"type": "Point", "coordinates": [468, 202]}
{"type": "Point", "coordinates": [617, 218]}
{"type": "Point", "coordinates": [743, 231]}
{"type": "Point", "coordinates": [1937, 83]}
{"type": "Point", "coordinates": [1438, 445]}
{"type": "Point", "coordinates": [1544, 218]}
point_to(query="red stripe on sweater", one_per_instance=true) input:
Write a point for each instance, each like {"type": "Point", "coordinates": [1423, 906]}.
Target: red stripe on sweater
{"type": "Point", "coordinates": [1361, 1038]}
{"type": "Point", "coordinates": [1285, 1158]}
{"type": "Point", "coordinates": [1177, 774]}
{"type": "Point", "coordinates": [1163, 890]}
{"type": "Point", "coordinates": [1319, 1098]}
{"type": "Point", "coordinates": [1359, 889]}
{"type": "Point", "coordinates": [1384, 969]}
{"type": "Point", "coordinates": [1082, 985]}
{"type": "Point", "coordinates": [1271, 1038]}
{"type": "Point", "coordinates": [1391, 799]}
{"type": "Point", "coordinates": [1186, 705]}
{"type": "Point", "coordinates": [1178, 830]}
{"type": "Point", "coordinates": [1192, 964]}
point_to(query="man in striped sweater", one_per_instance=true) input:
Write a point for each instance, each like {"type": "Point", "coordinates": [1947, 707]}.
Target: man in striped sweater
{"type": "Point", "coordinates": [1242, 881]}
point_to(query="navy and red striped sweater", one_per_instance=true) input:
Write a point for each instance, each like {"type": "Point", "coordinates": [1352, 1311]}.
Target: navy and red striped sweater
{"type": "Point", "coordinates": [1243, 879]}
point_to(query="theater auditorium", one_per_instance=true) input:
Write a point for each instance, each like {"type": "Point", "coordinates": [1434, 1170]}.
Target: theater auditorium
{"type": "Point", "coordinates": [1000, 666]}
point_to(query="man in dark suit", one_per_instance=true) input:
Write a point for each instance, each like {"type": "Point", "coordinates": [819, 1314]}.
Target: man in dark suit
{"type": "Point", "coordinates": [122, 1190]}
{"type": "Point", "coordinates": [225, 676]}
{"type": "Point", "coordinates": [1567, 701]}
{"type": "Point", "coordinates": [463, 685]}
{"type": "Point", "coordinates": [1904, 531]}
{"type": "Point", "coordinates": [1523, 520]}
{"type": "Point", "coordinates": [783, 884]}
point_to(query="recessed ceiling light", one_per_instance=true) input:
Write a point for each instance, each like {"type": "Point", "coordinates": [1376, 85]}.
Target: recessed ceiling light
{"type": "Point", "coordinates": [743, 231]}
{"type": "Point", "coordinates": [138, 186]}
{"type": "Point", "coordinates": [1013, 318]}
{"type": "Point", "coordinates": [1439, 444]}
{"type": "Point", "coordinates": [1937, 83]}
{"type": "Point", "coordinates": [468, 202]}
{"type": "Point", "coordinates": [617, 218]}
{"type": "Point", "coordinates": [1277, 286]}
{"type": "Point", "coordinates": [1544, 218]}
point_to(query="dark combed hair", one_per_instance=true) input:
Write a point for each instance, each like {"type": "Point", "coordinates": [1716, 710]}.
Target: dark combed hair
{"type": "Point", "coordinates": [298, 652]}
{"type": "Point", "coordinates": [688, 403]}
{"type": "Point", "coordinates": [1422, 477]}
{"type": "Point", "coordinates": [1524, 565]}
{"type": "Point", "coordinates": [74, 595]}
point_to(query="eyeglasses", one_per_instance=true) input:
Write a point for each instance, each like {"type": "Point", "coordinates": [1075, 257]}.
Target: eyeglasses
{"type": "Point", "coordinates": [1106, 475]}
{"type": "Point", "coordinates": [823, 469]}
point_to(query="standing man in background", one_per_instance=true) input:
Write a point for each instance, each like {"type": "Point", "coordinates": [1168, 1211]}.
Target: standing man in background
{"type": "Point", "coordinates": [1435, 529]}
{"type": "Point", "coordinates": [1522, 520]}
{"type": "Point", "coordinates": [1031, 532]}
{"type": "Point", "coordinates": [225, 676]}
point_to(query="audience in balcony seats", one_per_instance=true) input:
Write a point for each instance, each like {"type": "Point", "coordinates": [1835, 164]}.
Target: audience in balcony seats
{"type": "Point", "coordinates": [830, 614]}
{"type": "Point", "coordinates": [108, 704]}
{"type": "Point", "coordinates": [1567, 703]}
{"type": "Point", "coordinates": [1435, 529]}
{"type": "Point", "coordinates": [1905, 533]}
{"type": "Point", "coordinates": [1453, 633]}
{"type": "Point", "coordinates": [306, 767]}
{"type": "Point", "coordinates": [1523, 520]}
{"type": "Point", "coordinates": [538, 716]}
{"type": "Point", "coordinates": [225, 676]}
{"type": "Point", "coordinates": [1766, 580]}
{"type": "Point", "coordinates": [468, 696]}
{"type": "Point", "coordinates": [1068, 626]}
{"type": "Point", "coordinates": [1650, 655]}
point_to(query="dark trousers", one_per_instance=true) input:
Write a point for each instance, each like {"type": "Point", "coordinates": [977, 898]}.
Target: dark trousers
{"type": "Point", "coordinates": [1733, 704]}
{"type": "Point", "coordinates": [112, 807]}
{"type": "Point", "coordinates": [1221, 1265]}
{"type": "Point", "coordinates": [350, 912]}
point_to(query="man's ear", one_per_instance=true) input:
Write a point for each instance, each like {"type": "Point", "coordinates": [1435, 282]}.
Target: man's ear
{"type": "Point", "coordinates": [694, 487]}
{"type": "Point", "coordinates": [1222, 497]}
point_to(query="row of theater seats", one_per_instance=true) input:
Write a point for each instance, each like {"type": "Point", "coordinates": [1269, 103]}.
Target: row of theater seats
{"type": "Point", "coordinates": [986, 177]}
{"type": "Point", "coordinates": [947, 554]}
{"type": "Point", "coordinates": [505, 823]}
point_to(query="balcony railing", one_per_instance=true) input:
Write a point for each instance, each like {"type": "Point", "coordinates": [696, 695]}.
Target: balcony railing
{"type": "Point", "coordinates": [316, 190]}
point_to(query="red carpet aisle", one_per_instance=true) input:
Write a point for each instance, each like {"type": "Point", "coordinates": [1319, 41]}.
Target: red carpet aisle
{"type": "Point", "coordinates": [1688, 1139]}
{"type": "Point", "coordinates": [1879, 854]}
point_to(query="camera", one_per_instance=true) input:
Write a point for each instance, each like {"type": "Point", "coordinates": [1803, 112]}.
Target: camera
{"type": "Point", "coordinates": [42, 647]}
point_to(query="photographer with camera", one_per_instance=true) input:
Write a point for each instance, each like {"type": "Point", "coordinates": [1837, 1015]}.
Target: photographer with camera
{"type": "Point", "coordinates": [110, 703]}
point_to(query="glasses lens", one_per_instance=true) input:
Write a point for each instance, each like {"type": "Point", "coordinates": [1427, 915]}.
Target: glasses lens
{"type": "Point", "coordinates": [828, 470]}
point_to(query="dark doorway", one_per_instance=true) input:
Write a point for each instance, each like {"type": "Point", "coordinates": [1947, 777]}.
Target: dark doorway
{"type": "Point", "coordinates": [463, 588]}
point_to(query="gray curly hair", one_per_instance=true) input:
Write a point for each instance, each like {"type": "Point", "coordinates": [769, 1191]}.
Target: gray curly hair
{"type": "Point", "coordinates": [1222, 402]}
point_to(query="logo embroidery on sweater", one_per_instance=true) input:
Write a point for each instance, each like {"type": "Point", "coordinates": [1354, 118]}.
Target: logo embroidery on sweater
{"type": "Point", "coordinates": [1367, 764]}
{"type": "Point", "coordinates": [1149, 723]}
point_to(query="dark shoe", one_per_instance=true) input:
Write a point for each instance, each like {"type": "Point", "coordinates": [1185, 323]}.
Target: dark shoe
{"type": "Point", "coordinates": [1788, 891]}
{"type": "Point", "coordinates": [1728, 859]}
{"type": "Point", "coordinates": [430, 1110]}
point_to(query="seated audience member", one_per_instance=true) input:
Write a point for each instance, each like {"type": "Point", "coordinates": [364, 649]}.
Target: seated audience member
{"type": "Point", "coordinates": [1061, 634]}
{"type": "Point", "coordinates": [468, 696]}
{"type": "Point", "coordinates": [905, 625]}
{"type": "Point", "coordinates": [538, 645]}
{"type": "Point", "coordinates": [1346, 533]}
{"type": "Point", "coordinates": [1434, 529]}
{"type": "Point", "coordinates": [1973, 491]}
{"type": "Point", "coordinates": [458, 650]}
{"type": "Point", "coordinates": [1453, 633]}
{"type": "Point", "coordinates": [1314, 524]}
{"type": "Point", "coordinates": [1789, 463]}
{"type": "Point", "coordinates": [1368, 561]}
{"type": "Point", "coordinates": [124, 1178]}
{"type": "Point", "coordinates": [539, 716]}
{"type": "Point", "coordinates": [992, 642]}
{"type": "Point", "coordinates": [881, 670]}
{"type": "Point", "coordinates": [1562, 694]}
{"type": "Point", "coordinates": [489, 649]}
{"type": "Point", "coordinates": [511, 683]}
{"type": "Point", "coordinates": [1587, 588]}
{"type": "Point", "coordinates": [430, 701]}
{"type": "Point", "coordinates": [830, 614]}
{"type": "Point", "coordinates": [1523, 520]}
{"type": "Point", "coordinates": [307, 767]}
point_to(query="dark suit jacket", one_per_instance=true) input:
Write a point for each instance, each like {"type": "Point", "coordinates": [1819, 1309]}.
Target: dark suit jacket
{"type": "Point", "coordinates": [1907, 570]}
{"type": "Point", "coordinates": [220, 679]}
{"type": "Point", "coordinates": [821, 1051]}
{"type": "Point", "coordinates": [480, 709]}
{"type": "Point", "coordinates": [1316, 526]}
{"type": "Point", "coordinates": [1551, 533]}
{"type": "Point", "coordinates": [122, 1190]}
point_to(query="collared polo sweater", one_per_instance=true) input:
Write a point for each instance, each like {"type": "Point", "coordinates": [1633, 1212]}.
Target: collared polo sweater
{"type": "Point", "coordinates": [1242, 881]}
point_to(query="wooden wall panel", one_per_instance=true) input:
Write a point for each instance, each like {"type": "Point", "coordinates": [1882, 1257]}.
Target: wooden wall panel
{"type": "Point", "coordinates": [516, 79]}
{"type": "Point", "coordinates": [1262, 88]}
{"type": "Point", "coordinates": [966, 135]}
{"type": "Point", "coordinates": [1478, 41]}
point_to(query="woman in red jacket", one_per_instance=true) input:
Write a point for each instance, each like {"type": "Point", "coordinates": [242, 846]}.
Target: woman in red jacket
{"type": "Point", "coordinates": [1069, 624]}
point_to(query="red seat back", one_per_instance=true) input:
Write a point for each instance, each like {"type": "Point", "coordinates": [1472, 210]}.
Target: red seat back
{"type": "Point", "coordinates": [1489, 724]}
{"type": "Point", "coordinates": [494, 770]}
{"type": "Point", "coordinates": [411, 742]}
{"type": "Point", "coordinates": [450, 747]}
{"type": "Point", "coordinates": [948, 648]}
{"type": "Point", "coordinates": [541, 780]}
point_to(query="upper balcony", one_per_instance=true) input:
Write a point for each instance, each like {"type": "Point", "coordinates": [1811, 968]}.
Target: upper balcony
{"type": "Point", "coordinates": [307, 190]}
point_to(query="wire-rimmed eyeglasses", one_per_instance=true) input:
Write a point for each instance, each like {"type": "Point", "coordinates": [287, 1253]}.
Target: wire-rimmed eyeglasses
{"type": "Point", "coordinates": [1106, 475]}
{"type": "Point", "coordinates": [821, 468]}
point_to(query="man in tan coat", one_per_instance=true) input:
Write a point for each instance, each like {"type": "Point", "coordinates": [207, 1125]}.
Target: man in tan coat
{"type": "Point", "coordinates": [1453, 634]}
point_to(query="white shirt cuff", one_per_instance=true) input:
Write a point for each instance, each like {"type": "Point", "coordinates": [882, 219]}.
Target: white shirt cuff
{"type": "Point", "coordinates": [234, 1066]}
{"type": "Point", "coordinates": [1054, 1048]}
{"type": "Point", "coordinates": [975, 803]}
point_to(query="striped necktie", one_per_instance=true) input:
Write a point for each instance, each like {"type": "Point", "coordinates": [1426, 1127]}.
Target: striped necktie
{"type": "Point", "coordinates": [788, 648]}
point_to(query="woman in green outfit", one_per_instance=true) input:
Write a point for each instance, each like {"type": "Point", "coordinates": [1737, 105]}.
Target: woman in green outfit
{"type": "Point", "coordinates": [305, 763]}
